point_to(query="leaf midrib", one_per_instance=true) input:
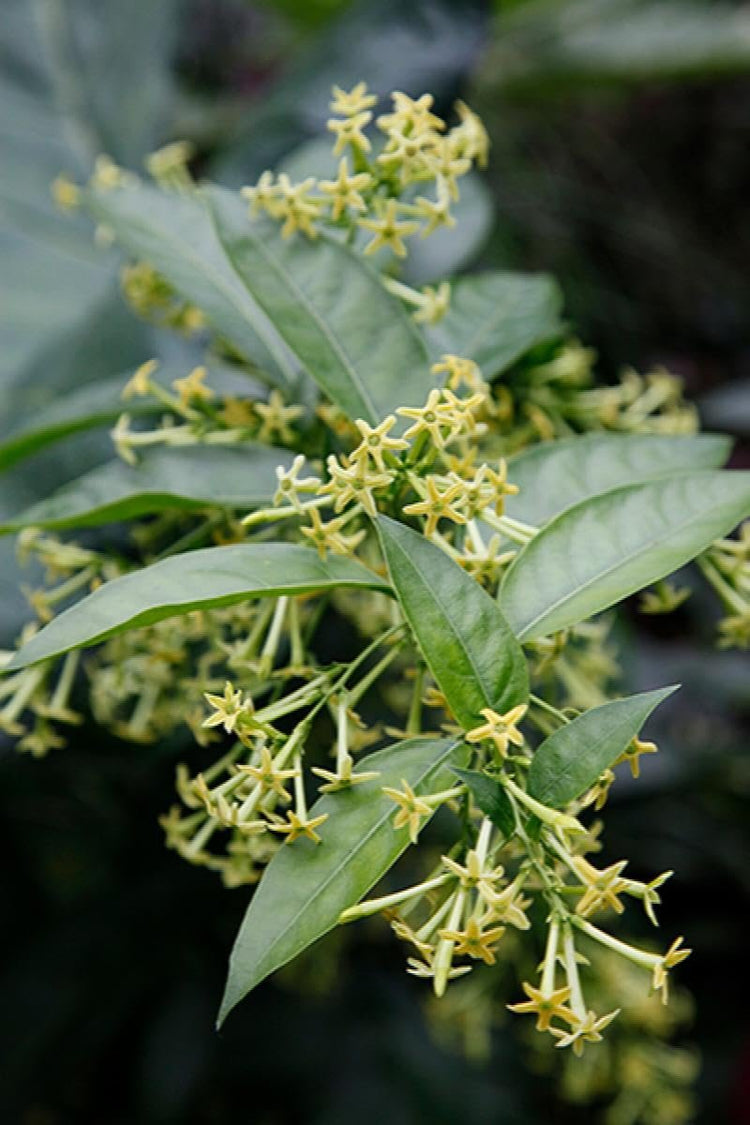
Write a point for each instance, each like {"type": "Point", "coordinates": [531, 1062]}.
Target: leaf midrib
{"type": "Point", "coordinates": [622, 562]}
{"type": "Point", "coordinates": [336, 345]}
{"type": "Point", "coordinates": [478, 676]}
{"type": "Point", "coordinates": [203, 265]}
{"type": "Point", "coordinates": [385, 816]}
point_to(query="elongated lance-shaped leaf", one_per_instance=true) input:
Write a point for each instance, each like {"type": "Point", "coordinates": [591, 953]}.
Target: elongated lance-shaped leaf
{"type": "Point", "coordinates": [175, 234]}
{"type": "Point", "coordinates": [205, 579]}
{"type": "Point", "coordinates": [306, 887]}
{"type": "Point", "coordinates": [185, 479]}
{"type": "Point", "coordinates": [575, 755]}
{"type": "Point", "coordinates": [352, 336]}
{"type": "Point", "coordinates": [496, 317]}
{"type": "Point", "coordinates": [82, 409]}
{"type": "Point", "coordinates": [557, 474]}
{"type": "Point", "coordinates": [490, 797]}
{"type": "Point", "coordinates": [466, 641]}
{"type": "Point", "coordinates": [99, 403]}
{"type": "Point", "coordinates": [599, 551]}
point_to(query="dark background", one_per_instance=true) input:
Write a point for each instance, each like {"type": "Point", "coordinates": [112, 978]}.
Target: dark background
{"type": "Point", "coordinates": [620, 163]}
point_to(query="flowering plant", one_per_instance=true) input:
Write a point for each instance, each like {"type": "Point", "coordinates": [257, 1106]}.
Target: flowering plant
{"type": "Point", "coordinates": [379, 513]}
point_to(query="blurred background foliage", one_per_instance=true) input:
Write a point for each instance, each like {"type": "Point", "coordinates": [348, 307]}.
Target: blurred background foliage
{"type": "Point", "coordinates": [621, 161]}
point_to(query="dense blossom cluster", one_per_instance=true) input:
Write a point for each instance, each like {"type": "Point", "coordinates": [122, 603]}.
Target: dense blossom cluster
{"type": "Point", "coordinates": [247, 679]}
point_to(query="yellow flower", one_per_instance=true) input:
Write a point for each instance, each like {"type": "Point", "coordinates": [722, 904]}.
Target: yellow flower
{"type": "Point", "coordinates": [349, 132]}
{"type": "Point", "coordinates": [354, 483]}
{"type": "Point", "coordinates": [633, 753]}
{"type": "Point", "coordinates": [192, 387]}
{"type": "Point", "coordinates": [499, 729]}
{"type": "Point", "coordinates": [436, 505]}
{"type": "Point", "coordinates": [140, 382]}
{"type": "Point", "coordinates": [435, 303]}
{"type": "Point", "coordinates": [588, 1029]}
{"type": "Point", "coordinates": [474, 941]}
{"type": "Point", "coordinates": [299, 825]}
{"type": "Point", "coordinates": [375, 441]}
{"type": "Point", "coordinates": [673, 956]}
{"type": "Point", "coordinates": [410, 115]}
{"type": "Point", "coordinates": [356, 100]}
{"type": "Point", "coordinates": [389, 231]}
{"type": "Point", "coordinates": [297, 207]}
{"type": "Point", "coordinates": [343, 778]}
{"type": "Point", "coordinates": [345, 190]}
{"type": "Point", "coordinates": [268, 776]}
{"type": "Point", "coordinates": [433, 418]}
{"type": "Point", "coordinates": [602, 887]}
{"type": "Point", "coordinates": [276, 418]}
{"type": "Point", "coordinates": [412, 809]}
{"type": "Point", "coordinates": [545, 1006]}
{"type": "Point", "coordinates": [228, 708]}
{"type": "Point", "coordinates": [290, 485]}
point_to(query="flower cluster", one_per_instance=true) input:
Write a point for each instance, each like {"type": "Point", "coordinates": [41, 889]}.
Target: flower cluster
{"type": "Point", "coordinates": [375, 194]}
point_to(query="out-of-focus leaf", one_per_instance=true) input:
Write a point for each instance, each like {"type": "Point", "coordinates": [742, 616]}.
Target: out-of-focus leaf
{"type": "Point", "coordinates": [331, 308]}
{"type": "Point", "coordinates": [575, 755]}
{"type": "Point", "coordinates": [599, 551]}
{"type": "Point", "coordinates": [464, 638]}
{"type": "Point", "coordinates": [165, 479]}
{"type": "Point", "coordinates": [546, 43]}
{"type": "Point", "coordinates": [205, 579]}
{"type": "Point", "coordinates": [555, 475]}
{"type": "Point", "coordinates": [495, 317]}
{"type": "Point", "coordinates": [176, 235]}
{"type": "Point", "coordinates": [76, 78]}
{"type": "Point", "coordinates": [306, 887]}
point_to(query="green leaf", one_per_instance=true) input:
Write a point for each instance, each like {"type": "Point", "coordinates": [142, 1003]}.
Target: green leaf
{"type": "Point", "coordinates": [599, 551]}
{"type": "Point", "coordinates": [464, 637]}
{"type": "Point", "coordinates": [491, 798]}
{"type": "Point", "coordinates": [555, 475]}
{"type": "Point", "coordinates": [205, 579]}
{"type": "Point", "coordinates": [307, 886]}
{"type": "Point", "coordinates": [330, 307]}
{"type": "Point", "coordinates": [176, 235]}
{"type": "Point", "coordinates": [496, 317]}
{"type": "Point", "coordinates": [574, 756]}
{"type": "Point", "coordinates": [92, 405]}
{"type": "Point", "coordinates": [187, 479]}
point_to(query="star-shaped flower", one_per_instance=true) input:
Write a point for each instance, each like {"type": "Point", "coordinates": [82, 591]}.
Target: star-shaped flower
{"type": "Point", "coordinates": [546, 1006]}
{"type": "Point", "coordinates": [299, 825]}
{"type": "Point", "coordinates": [376, 442]}
{"type": "Point", "coordinates": [412, 809]}
{"type": "Point", "coordinates": [345, 191]}
{"type": "Point", "coordinates": [436, 505]}
{"type": "Point", "coordinates": [269, 777]}
{"type": "Point", "coordinates": [389, 230]}
{"type": "Point", "coordinates": [474, 941]}
{"type": "Point", "coordinates": [500, 730]}
{"type": "Point", "coordinates": [587, 1030]}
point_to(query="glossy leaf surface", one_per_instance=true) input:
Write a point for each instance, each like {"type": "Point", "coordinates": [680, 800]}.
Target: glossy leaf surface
{"type": "Point", "coordinates": [188, 479]}
{"type": "Point", "coordinates": [599, 551]}
{"type": "Point", "coordinates": [205, 579]}
{"type": "Point", "coordinates": [496, 317]}
{"type": "Point", "coordinates": [569, 762]}
{"type": "Point", "coordinates": [555, 475]}
{"type": "Point", "coordinates": [464, 637]}
{"type": "Point", "coordinates": [307, 886]}
{"type": "Point", "coordinates": [175, 234]}
{"type": "Point", "coordinates": [330, 307]}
